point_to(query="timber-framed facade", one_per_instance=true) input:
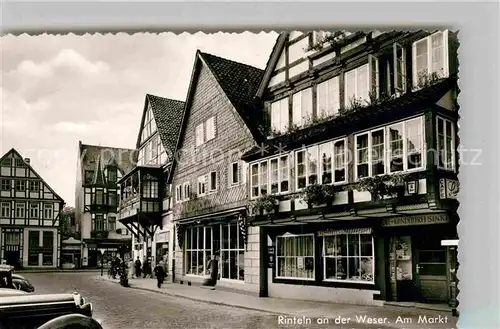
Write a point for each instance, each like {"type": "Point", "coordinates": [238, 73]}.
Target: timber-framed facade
{"type": "Point", "coordinates": [357, 185]}
{"type": "Point", "coordinates": [29, 215]}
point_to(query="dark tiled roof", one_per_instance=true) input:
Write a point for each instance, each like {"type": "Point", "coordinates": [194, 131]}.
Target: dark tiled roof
{"type": "Point", "coordinates": [168, 115]}
{"type": "Point", "coordinates": [240, 83]}
{"type": "Point", "coordinates": [91, 155]}
{"type": "Point", "coordinates": [99, 173]}
{"type": "Point", "coordinates": [351, 122]}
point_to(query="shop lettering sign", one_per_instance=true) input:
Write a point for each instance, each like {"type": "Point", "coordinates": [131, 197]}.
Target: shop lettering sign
{"type": "Point", "coordinates": [448, 188]}
{"type": "Point", "coordinates": [270, 256]}
{"type": "Point", "coordinates": [416, 220]}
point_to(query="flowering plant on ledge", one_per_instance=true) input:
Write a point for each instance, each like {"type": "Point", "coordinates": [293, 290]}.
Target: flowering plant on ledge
{"type": "Point", "coordinates": [317, 194]}
{"type": "Point", "coordinates": [381, 185]}
{"type": "Point", "coordinates": [266, 202]}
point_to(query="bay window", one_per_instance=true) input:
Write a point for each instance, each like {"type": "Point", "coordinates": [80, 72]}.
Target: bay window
{"type": "Point", "coordinates": [302, 106]}
{"type": "Point", "coordinates": [400, 145]}
{"type": "Point", "coordinates": [348, 256]}
{"type": "Point", "coordinates": [150, 189]}
{"type": "Point", "coordinates": [295, 256]}
{"type": "Point", "coordinates": [270, 176]}
{"type": "Point", "coordinates": [446, 144]}
{"type": "Point", "coordinates": [430, 56]}
{"type": "Point", "coordinates": [328, 97]}
{"type": "Point", "coordinates": [362, 81]}
{"type": "Point", "coordinates": [280, 115]}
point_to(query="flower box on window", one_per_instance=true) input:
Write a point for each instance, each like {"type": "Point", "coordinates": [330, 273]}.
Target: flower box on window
{"type": "Point", "coordinates": [316, 195]}
{"type": "Point", "coordinates": [266, 203]}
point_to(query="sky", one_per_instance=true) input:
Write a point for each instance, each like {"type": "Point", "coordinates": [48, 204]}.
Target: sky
{"type": "Point", "coordinates": [57, 90]}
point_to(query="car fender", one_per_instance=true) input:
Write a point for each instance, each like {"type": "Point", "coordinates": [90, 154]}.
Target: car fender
{"type": "Point", "coordinates": [70, 320]}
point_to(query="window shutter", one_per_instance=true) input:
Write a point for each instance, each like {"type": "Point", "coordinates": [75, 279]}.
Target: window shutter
{"type": "Point", "coordinates": [296, 107]}
{"type": "Point", "coordinates": [373, 76]}
{"type": "Point", "coordinates": [399, 68]}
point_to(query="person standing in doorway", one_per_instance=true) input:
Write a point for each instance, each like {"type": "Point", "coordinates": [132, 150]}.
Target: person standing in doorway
{"type": "Point", "coordinates": [138, 268]}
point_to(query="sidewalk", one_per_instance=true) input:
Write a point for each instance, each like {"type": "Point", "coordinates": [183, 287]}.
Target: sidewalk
{"type": "Point", "coordinates": [294, 308]}
{"type": "Point", "coordinates": [56, 270]}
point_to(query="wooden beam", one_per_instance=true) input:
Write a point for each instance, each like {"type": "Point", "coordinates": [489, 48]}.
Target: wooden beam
{"type": "Point", "coordinates": [130, 228]}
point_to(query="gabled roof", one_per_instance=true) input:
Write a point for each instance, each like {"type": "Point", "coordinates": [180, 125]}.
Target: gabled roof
{"type": "Point", "coordinates": [238, 81]}
{"type": "Point", "coordinates": [99, 178]}
{"type": "Point", "coordinates": [363, 118]}
{"type": "Point", "coordinates": [90, 155]}
{"type": "Point", "coordinates": [271, 62]}
{"type": "Point", "coordinates": [168, 117]}
{"type": "Point", "coordinates": [28, 165]}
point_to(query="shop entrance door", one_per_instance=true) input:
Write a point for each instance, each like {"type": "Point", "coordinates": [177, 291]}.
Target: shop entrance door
{"type": "Point", "coordinates": [12, 248]}
{"type": "Point", "coordinates": [430, 269]}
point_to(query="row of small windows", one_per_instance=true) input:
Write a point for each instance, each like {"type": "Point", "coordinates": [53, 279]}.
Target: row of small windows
{"type": "Point", "coordinates": [32, 211]}
{"type": "Point", "coordinates": [386, 74]}
{"type": "Point", "coordinates": [7, 162]}
{"type": "Point", "coordinates": [111, 175]}
{"type": "Point", "coordinates": [21, 185]}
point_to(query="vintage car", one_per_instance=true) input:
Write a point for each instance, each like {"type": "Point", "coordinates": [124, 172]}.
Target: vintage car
{"type": "Point", "coordinates": [11, 292]}
{"type": "Point", "coordinates": [46, 311]}
{"type": "Point", "coordinates": [8, 279]}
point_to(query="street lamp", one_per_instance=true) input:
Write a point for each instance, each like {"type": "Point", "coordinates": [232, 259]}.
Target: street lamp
{"type": "Point", "coordinates": [102, 250]}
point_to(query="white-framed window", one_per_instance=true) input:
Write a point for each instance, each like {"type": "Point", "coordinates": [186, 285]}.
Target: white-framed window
{"type": "Point", "coordinates": [213, 183]}
{"type": "Point", "coordinates": [202, 185]}
{"type": "Point", "coordinates": [234, 173]}
{"type": "Point", "coordinates": [199, 134]}
{"type": "Point", "coordinates": [20, 210]}
{"type": "Point", "coordinates": [232, 256]}
{"type": "Point", "coordinates": [339, 161]}
{"type": "Point", "coordinates": [349, 257]}
{"type": "Point", "coordinates": [202, 242]}
{"type": "Point", "coordinates": [270, 176]}
{"type": "Point", "coordinates": [210, 123]}
{"type": "Point", "coordinates": [328, 97]}
{"type": "Point", "coordinates": [178, 193]}
{"type": "Point", "coordinates": [295, 256]}
{"type": "Point", "coordinates": [399, 58]}
{"type": "Point", "coordinates": [20, 185]}
{"type": "Point", "coordinates": [395, 148]}
{"type": "Point", "coordinates": [325, 155]}
{"type": "Point", "coordinates": [430, 55]}
{"type": "Point", "coordinates": [361, 81]}
{"type": "Point", "coordinates": [254, 180]}
{"type": "Point", "coordinates": [34, 210]}
{"type": "Point", "coordinates": [302, 106]}
{"type": "Point", "coordinates": [300, 169]}
{"type": "Point", "coordinates": [6, 184]}
{"type": "Point", "coordinates": [198, 246]}
{"type": "Point", "coordinates": [150, 189]}
{"type": "Point", "coordinates": [48, 211]}
{"type": "Point", "coordinates": [280, 115]}
{"type": "Point", "coordinates": [187, 191]}
{"type": "Point", "coordinates": [446, 144]}
{"type": "Point", "coordinates": [34, 185]}
{"type": "Point", "coordinates": [5, 212]}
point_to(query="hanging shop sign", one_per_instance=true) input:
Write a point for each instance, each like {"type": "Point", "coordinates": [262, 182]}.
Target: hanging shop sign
{"type": "Point", "coordinates": [416, 220]}
{"type": "Point", "coordinates": [448, 188]}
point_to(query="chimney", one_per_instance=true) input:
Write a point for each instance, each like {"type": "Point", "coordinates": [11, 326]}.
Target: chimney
{"type": "Point", "coordinates": [27, 160]}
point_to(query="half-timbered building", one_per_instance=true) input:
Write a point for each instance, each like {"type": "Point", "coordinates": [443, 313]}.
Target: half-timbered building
{"type": "Point", "coordinates": [221, 122]}
{"type": "Point", "coordinates": [356, 184]}
{"type": "Point", "coordinates": [145, 193]}
{"type": "Point", "coordinates": [29, 217]}
{"type": "Point", "coordinates": [96, 201]}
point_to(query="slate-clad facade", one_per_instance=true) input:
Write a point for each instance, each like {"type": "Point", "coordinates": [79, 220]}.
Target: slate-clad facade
{"type": "Point", "coordinates": [355, 186]}
{"type": "Point", "coordinates": [209, 181]}
{"type": "Point", "coordinates": [145, 203]}
{"type": "Point", "coordinates": [29, 215]}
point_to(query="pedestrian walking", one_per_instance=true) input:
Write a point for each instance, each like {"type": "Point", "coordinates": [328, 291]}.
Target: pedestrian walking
{"type": "Point", "coordinates": [146, 267]}
{"type": "Point", "coordinates": [159, 271]}
{"type": "Point", "coordinates": [138, 268]}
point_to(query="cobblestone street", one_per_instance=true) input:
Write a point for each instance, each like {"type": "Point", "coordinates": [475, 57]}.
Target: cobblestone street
{"type": "Point", "coordinates": [124, 308]}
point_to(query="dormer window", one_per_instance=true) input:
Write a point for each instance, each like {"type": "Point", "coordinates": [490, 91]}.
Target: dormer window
{"type": "Point", "coordinates": [430, 56]}
{"type": "Point", "coordinates": [112, 175]}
